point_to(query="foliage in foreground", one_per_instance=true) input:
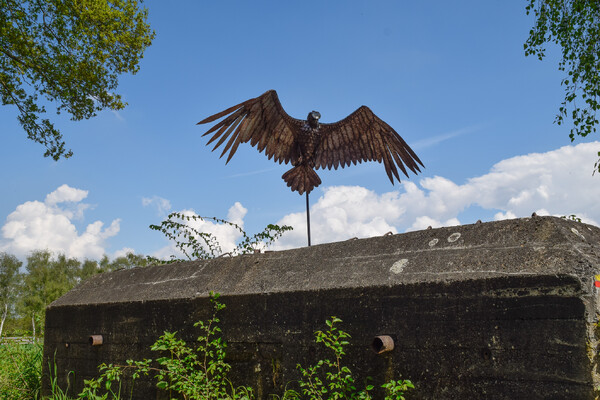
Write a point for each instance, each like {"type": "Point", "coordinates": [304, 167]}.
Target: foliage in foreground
{"type": "Point", "coordinates": [200, 373]}
{"type": "Point", "coordinates": [330, 379]}
{"type": "Point", "coordinates": [193, 373]}
{"type": "Point", "coordinates": [20, 371]}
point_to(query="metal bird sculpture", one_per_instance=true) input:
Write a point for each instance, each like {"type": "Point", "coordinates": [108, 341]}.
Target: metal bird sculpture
{"type": "Point", "coordinates": [309, 144]}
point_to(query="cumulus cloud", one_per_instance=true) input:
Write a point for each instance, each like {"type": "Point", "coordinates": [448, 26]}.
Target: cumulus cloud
{"type": "Point", "coordinates": [36, 225]}
{"type": "Point", "coordinates": [341, 213]}
{"type": "Point", "coordinates": [558, 182]}
{"type": "Point", "coordinates": [123, 252]}
{"type": "Point", "coordinates": [65, 193]}
{"type": "Point", "coordinates": [163, 206]}
{"type": "Point", "coordinates": [227, 236]}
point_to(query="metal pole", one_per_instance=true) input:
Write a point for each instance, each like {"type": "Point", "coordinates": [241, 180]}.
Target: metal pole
{"type": "Point", "coordinates": [307, 218]}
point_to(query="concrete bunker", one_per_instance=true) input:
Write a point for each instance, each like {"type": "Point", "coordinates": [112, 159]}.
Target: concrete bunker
{"type": "Point", "coordinates": [498, 310]}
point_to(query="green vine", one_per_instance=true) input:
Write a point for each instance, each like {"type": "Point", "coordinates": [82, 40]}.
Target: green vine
{"type": "Point", "coordinates": [195, 244]}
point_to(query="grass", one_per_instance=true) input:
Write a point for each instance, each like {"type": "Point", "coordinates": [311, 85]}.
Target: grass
{"type": "Point", "coordinates": [20, 371]}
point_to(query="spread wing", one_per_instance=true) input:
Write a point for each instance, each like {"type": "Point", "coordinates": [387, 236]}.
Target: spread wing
{"type": "Point", "coordinates": [362, 136]}
{"type": "Point", "coordinates": [261, 121]}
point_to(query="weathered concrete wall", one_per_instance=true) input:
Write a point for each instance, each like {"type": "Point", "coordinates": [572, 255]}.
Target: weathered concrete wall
{"type": "Point", "coordinates": [500, 310]}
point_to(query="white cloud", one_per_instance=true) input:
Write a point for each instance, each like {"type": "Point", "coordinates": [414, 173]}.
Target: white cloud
{"type": "Point", "coordinates": [435, 140]}
{"type": "Point", "coordinates": [341, 213]}
{"type": "Point", "coordinates": [123, 252]}
{"type": "Point", "coordinates": [426, 222]}
{"type": "Point", "coordinates": [71, 198]}
{"type": "Point", "coordinates": [507, 215]}
{"type": "Point", "coordinates": [118, 115]}
{"type": "Point", "coordinates": [558, 182]}
{"type": "Point", "coordinates": [65, 193]}
{"type": "Point", "coordinates": [163, 206]}
{"type": "Point", "coordinates": [227, 236]}
{"type": "Point", "coordinates": [36, 225]}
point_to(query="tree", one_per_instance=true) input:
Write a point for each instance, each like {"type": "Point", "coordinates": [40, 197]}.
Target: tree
{"type": "Point", "coordinates": [69, 52]}
{"type": "Point", "coordinates": [575, 26]}
{"type": "Point", "coordinates": [24, 296]}
{"type": "Point", "coordinates": [89, 268]}
{"type": "Point", "coordinates": [46, 280]}
{"type": "Point", "coordinates": [9, 284]}
{"type": "Point", "coordinates": [128, 261]}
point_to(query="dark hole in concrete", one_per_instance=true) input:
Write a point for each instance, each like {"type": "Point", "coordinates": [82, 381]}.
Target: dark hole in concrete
{"type": "Point", "coordinates": [377, 345]}
{"type": "Point", "coordinates": [486, 354]}
{"type": "Point", "coordinates": [383, 343]}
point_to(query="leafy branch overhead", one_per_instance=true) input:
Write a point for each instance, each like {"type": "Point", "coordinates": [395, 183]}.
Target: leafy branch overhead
{"type": "Point", "coordinates": [195, 244]}
{"type": "Point", "coordinates": [68, 52]}
{"type": "Point", "coordinates": [575, 26]}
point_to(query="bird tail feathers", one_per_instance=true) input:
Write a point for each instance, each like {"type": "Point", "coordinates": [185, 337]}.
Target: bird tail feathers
{"type": "Point", "coordinates": [302, 178]}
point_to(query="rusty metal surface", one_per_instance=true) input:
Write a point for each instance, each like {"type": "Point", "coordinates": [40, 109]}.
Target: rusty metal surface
{"type": "Point", "coordinates": [309, 144]}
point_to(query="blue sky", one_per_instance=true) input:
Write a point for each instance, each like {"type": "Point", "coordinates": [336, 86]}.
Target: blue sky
{"type": "Point", "coordinates": [450, 77]}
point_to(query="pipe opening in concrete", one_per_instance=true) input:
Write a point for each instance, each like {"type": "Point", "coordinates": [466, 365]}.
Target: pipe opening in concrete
{"type": "Point", "coordinates": [95, 340]}
{"type": "Point", "coordinates": [486, 354]}
{"type": "Point", "coordinates": [382, 344]}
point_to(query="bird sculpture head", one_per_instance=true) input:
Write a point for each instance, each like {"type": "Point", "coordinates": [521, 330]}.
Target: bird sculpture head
{"type": "Point", "coordinates": [313, 119]}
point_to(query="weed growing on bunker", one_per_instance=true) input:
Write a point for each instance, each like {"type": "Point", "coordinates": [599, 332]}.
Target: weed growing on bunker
{"type": "Point", "coordinates": [200, 373]}
{"type": "Point", "coordinates": [195, 244]}
{"type": "Point", "coordinates": [194, 373]}
{"type": "Point", "coordinates": [330, 379]}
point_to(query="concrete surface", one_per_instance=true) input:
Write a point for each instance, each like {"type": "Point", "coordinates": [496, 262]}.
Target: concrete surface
{"type": "Point", "coordinates": [497, 310]}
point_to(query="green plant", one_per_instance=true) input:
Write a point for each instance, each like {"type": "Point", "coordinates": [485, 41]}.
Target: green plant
{"type": "Point", "coordinates": [20, 370]}
{"type": "Point", "coordinates": [195, 244]}
{"type": "Point", "coordinates": [571, 217]}
{"type": "Point", "coordinates": [70, 53]}
{"type": "Point", "coordinates": [194, 373]}
{"type": "Point", "coordinates": [395, 389]}
{"type": "Point", "coordinates": [200, 373]}
{"type": "Point", "coordinates": [57, 393]}
{"type": "Point", "coordinates": [574, 26]}
{"type": "Point", "coordinates": [101, 388]}
{"type": "Point", "coordinates": [329, 379]}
